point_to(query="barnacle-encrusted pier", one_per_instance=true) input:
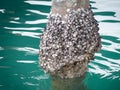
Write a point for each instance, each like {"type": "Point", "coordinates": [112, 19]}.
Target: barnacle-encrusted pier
{"type": "Point", "coordinates": [70, 39]}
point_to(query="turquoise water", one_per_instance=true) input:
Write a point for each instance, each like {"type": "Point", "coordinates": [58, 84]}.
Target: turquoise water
{"type": "Point", "coordinates": [21, 23]}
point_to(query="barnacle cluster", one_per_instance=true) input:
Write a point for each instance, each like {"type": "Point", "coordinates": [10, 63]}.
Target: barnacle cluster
{"type": "Point", "coordinates": [67, 46]}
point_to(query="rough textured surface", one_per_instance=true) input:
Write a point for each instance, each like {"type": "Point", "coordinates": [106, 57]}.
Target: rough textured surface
{"type": "Point", "coordinates": [67, 46]}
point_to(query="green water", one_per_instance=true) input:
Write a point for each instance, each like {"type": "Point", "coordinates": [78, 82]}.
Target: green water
{"type": "Point", "coordinates": [21, 23]}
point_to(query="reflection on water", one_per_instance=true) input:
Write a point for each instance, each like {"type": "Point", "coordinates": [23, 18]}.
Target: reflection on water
{"type": "Point", "coordinates": [67, 84]}
{"type": "Point", "coordinates": [23, 21]}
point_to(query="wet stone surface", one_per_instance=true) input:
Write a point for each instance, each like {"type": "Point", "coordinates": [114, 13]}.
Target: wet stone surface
{"type": "Point", "coordinates": [64, 43]}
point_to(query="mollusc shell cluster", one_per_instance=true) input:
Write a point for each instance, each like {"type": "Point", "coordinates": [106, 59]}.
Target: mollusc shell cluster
{"type": "Point", "coordinates": [66, 46]}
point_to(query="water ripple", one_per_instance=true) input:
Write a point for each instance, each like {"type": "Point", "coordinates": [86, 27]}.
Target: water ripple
{"type": "Point", "coordinates": [107, 62]}
{"type": "Point", "coordinates": [1, 48]}
{"type": "Point", "coordinates": [112, 6]}
{"type": "Point", "coordinates": [112, 28]}
{"type": "Point", "coordinates": [41, 77]}
{"type": "Point", "coordinates": [15, 22]}
{"type": "Point", "coordinates": [2, 10]}
{"type": "Point", "coordinates": [111, 47]}
{"type": "Point", "coordinates": [1, 85]}
{"type": "Point", "coordinates": [106, 68]}
{"type": "Point", "coordinates": [36, 21]}
{"type": "Point", "coordinates": [29, 34]}
{"type": "Point", "coordinates": [105, 13]}
{"type": "Point", "coordinates": [45, 3]}
{"type": "Point", "coordinates": [25, 61]}
{"type": "Point", "coordinates": [38, 12]}
{"type": "Point", "coordinates": [16, 18]}
{"type": "Point", "coordinates": [24, 28]}
{"type": "Point", "coordinates": [28, 50]}
{"type": "Point", "coordinates": [30, 84]}
{"type": "Point", "coordinates": [1, 58]}
{"type": "Point", "coordinates": [96, 69]}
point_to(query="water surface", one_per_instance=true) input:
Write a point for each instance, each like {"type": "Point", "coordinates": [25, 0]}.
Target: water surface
{"type": "Point", "coordinates": [21, 23]}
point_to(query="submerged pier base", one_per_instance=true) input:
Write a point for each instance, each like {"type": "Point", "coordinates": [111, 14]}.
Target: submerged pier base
{"type": "Point", "coordinates": [70, 39]}
{"type": "Point", "coordinates": [68, 84]}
